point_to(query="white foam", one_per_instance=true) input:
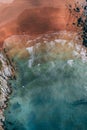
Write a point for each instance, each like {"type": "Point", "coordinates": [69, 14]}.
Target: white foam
{"type": "Point", "coordinates": [60, 41]}
{"type": "Point", "coordinates": [30, 63]}
{"type": "Point", "coordinates": [78, 47]}
{"type": "Point", "coordinates": [37, 45]}
{"type": "Point", "coordinates": [75, 53]}
{"type": "Point", "coordinates": [30, 50]}
{"type": "Point", "coordinates": [83, 52]}
{"type": "Point", "coordinates": [84, 59]}
{"type": "Point", "coordinates": [70, 62]}
{"type": "Point", "coordinates": [52, 43]}
{"type": "Point", "coordinates": [70, 44]}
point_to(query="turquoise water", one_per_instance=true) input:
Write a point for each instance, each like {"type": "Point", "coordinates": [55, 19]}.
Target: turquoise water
{"type": "Point", "coordinates": [51, 95]}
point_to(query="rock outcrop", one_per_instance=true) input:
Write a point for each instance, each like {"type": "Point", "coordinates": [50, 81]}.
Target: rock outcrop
{"type": "Point", "coordinates": [6, 71]}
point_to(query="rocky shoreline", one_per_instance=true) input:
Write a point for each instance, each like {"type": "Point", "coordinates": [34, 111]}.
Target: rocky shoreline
{"type": "Point", "coordinates": [6, 72]}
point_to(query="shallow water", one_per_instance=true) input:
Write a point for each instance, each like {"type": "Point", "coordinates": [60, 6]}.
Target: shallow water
{"type": "Point", "coordinates": [50, 95]}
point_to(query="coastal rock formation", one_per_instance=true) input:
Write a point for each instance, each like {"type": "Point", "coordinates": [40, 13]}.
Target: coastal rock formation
{"type": "Point", "coordinates": [6, 72]}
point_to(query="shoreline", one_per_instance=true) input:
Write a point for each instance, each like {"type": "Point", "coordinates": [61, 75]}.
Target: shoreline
{"type": "Point", "coordinates": [6, 72]}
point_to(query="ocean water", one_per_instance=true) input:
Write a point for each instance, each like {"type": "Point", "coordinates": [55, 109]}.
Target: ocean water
{"type": "Point", "coordinates": [48, 95]}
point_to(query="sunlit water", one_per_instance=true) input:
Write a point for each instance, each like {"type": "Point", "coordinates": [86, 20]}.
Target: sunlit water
{"type": "Point", "coordinates": [50, 93]}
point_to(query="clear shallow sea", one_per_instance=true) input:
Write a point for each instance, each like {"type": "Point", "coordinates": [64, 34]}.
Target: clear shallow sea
{"type": "Point", "coordinates": [51, 95]}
